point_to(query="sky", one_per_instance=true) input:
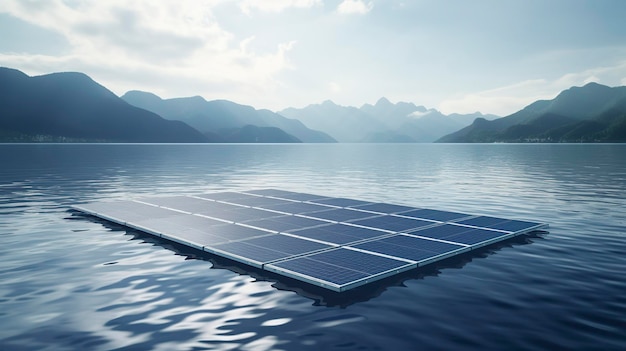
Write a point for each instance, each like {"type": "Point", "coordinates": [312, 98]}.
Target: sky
{"type": "Point", "coordinates": [458, 56]}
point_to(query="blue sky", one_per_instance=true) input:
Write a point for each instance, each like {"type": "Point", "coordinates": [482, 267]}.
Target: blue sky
{"type": "Point", "coordinates": [493, 56]}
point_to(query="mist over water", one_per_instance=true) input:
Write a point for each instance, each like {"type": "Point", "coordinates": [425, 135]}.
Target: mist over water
{"type": "Point", "coordinates": [69, 281]}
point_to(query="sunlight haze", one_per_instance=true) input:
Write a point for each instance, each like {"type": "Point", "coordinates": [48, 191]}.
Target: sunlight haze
{"type": "Point", "coordinates": [455, 56]}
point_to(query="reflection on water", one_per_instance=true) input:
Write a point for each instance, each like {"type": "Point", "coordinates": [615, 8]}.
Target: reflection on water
{"type": "Point", "coordinates": [67, 282]}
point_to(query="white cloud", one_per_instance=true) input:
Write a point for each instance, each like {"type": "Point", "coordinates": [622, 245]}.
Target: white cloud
{"type": "Point", "coordinates": [334, 87]}
{"type": "Point", "coordinates": [348, 7]}
{"type": "Point", "coordinates": [148, 45]}
{"type": "Point", "coordinates": [420, 114]}
{"type": "Point", "coordinates": [509, 99]}
{"type": "Point", "coordinates": [247, 6]}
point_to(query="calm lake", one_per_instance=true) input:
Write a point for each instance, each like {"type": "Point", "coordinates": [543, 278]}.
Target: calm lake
{"type": "Point", "coordinates": [72, 282]}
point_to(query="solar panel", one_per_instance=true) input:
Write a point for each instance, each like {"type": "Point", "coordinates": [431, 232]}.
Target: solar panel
{"type": "Point", "coordinates": [268, 248]}
{"type": "Point", "coordinates": [225, 196]}
{"type": "Point", "coordinates": [440, 231]}
{"type": "Point", "coordinates": [259, 201]}
{"type": "Point", "coordinates": [340, 202]}
{"type": "Point", "coordinates": [244, 214]}
{"type": "Point", "coordinates": [384, 208]}
{"type": "Point", "coordinates": [297, 207]}
{"type": "Point", "coordinates": [411, 248]}
{"type": "Point", "coordinates": [237, 232]}
{"type": "Point", "coordinates": [436, 215]}
{"type": "Point", "coordinates": [501, 224]}
{"type": "Point", "coordinates": [334, 242]}
{"type": "Point", "coordinates": [393, 223]}
{"type": "Point", "coordinates": [340, 215]}
{"type": "Point", "coordinates": [340, 268]}
{"type": "Point", "coordinates": [339, 233]}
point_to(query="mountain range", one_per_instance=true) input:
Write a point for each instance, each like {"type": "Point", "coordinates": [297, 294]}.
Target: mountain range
{"type": "Point", "coordinates": [223, 119]}
{"type": "Point", "coordinates": [592, 113]}
{"type": "Point", "coordinates": [71, 107]}
{"type": "Point", "coordinates": [381, 122]}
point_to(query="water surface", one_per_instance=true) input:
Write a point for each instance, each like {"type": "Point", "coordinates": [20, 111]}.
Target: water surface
{"type": "Point", "coordinates": [72, 282]}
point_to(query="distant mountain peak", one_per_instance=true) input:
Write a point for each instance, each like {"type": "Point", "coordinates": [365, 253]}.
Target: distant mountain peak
{"type": "Point", "coordinates": [383, 101]}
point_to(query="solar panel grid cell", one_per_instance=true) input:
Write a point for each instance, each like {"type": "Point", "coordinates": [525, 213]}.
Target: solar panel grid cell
{"type": "Point", "coordinates": [386, 248]}
{"type": "Point", "coordinates": [301, 197]}
{"type": "Point", "coordinates": [384, 208]}
{"type": "Point", "coordinates": [320, 271]}
{"type": "Point", "coordinates": [392, 223]}
{"type": "Point", "coordinates": [287, 244]}
{"type": "Point", "coordinates": [224, 196]}
{"type": "Point", "coordinates": [435, 215]}
{"type": "Point", "coordinates": [236, 232]}
{"type": "Point", "coordinates": [340, 215]}
{"type": "Point", "coordinates": [297, 207]}
{"type": "Point", "coordinates": [475, 236]}
{"type": "Point", "coordinates": [245, 214]}
{"type": "Point", "coordinates": [341, 202]}
{"type": "Point", "coordinates": [239, 251]}
{"type": "Point", "coordinates": [258, 201]}
{"type": "Point", "coordinates": [441, 231]}
{"type": "Point", "coordinates": [358, 261]}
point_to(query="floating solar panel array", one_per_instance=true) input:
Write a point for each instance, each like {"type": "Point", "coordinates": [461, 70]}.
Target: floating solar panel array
{"type": "Point", "coordinates": [335, 243]}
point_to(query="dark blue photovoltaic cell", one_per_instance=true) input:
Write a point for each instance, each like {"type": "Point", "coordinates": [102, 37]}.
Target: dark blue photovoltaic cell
{"type": "Point", "coordinates": [287, 244]}
{"type": "Point", "coordinates": [250, 252]}
{"type": "Point", "coordinates": [270, 192]}
{"type": "Point", "coordinates": [384, 208]}
{"type": "Point", "coordinates": [297, 207]}
{"type": "Point", "coordinates": [513, 226]}
{"type": "Point", "coordinates": [441, 231]}
{"type": "Point", "coordinates": [224, 196]}
{"type": "Point", "coordinates": [214, 209]}
{"type": "Point", "coordinates": [321, 270]}
{"type": "Point", "coordinates": [423, 244]}
{"type": "Point", "coordinates": [258, 201]}
{"type": "Point", "coordinates": [178, 223]}
{"type": "Point", "coordinates": [393, 223]}
{"type": "Point", "coordinates": [244, 214]}
{"type": "Point", "coordinates": [435, 215]}
{"type": "Point", "coordinates": [358, 261]}
{"type": "Point", "coordinates": [299, 222]}
{"type": "Point", "coordinates": [340, 215]}
{"type": "Point", "coordinates": [236, 232]}
{"type": "Point", "coordinates": [483, 221]}
{"type": "Point", "coordinates": [194, 236]}
{"type": "Point", "coordinates": [338, 233]}
{"type": "Point", "coordinates": [408, 247]}
{"type": "Point", "coordinates": [341, 260]}
{"type": "Point", "coordinates": [475, 236]}
{"type": "Point", "coordinates": [285, 223]}
{"type": "Point", "coordinates": [270, 248]}
{"type": "Point", "coordinates": [341, 202]}
{"type": "Point", "coordinates": [318, 233]}
{"type": "Point", "coordinates": [301, 197]}
{"type": "Point", "coordinates": [457, 233]}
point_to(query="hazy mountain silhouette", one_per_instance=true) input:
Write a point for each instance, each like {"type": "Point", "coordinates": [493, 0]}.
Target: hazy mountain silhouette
{"type": "Point", "coordinates": [217, 116]}
{"type": "Point", "coordinates": [254, 134]}
{"type": "Point", "coordinates": [590, 113]}
{"type": "Point", "coordinates": [346, 124]}
{"type": "Point", "coordinates": [73, 107]}
{"type": "Point", "coordinates": [382, 122]}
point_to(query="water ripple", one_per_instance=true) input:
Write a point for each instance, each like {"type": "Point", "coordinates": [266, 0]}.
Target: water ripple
{"type": "Point", "coordinates": [72, 282]}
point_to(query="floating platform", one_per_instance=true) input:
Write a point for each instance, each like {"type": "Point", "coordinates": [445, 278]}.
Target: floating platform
{"type": "Point", "coordinates": [335, 243]}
